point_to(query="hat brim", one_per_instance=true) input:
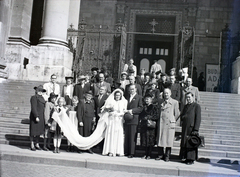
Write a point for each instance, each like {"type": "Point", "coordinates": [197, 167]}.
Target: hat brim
{"type": "Point", "coordinates": [128, 116]}
{"type": "Point", "coordinates": [39, 90]}
{"type": "Point", "coordinates": [66, 78]}
{"type": "Point", "coordinates": [193, 141]}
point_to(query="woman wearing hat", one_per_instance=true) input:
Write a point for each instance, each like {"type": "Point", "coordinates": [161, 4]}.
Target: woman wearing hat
{"type": "Point", "coordinates": [153, 91]}
{"type": "Point", "coordinates": [67, 91]}
{"type": "Point", "coordinates": [124, 80]}
{"type": "Point", "coordinates": [148, 115]}
{"type": "Point", "coordinates": [37, 117]}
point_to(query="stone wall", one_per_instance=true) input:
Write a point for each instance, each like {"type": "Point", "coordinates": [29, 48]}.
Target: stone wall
{"type": "Point", "coordinates": [211, 19]}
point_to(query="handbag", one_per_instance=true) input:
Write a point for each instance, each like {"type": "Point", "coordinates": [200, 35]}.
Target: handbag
{"type": "Point", "coordinates": [151, 124]}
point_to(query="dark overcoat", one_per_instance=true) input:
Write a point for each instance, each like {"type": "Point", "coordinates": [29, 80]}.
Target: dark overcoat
{"type": "Point", "coordinates": [148, 135]}
{"type": "Point", "coordinates": [85, 114]}
{"type": "Point", "coordinates": [176, 91]}
{"type": "Point", "coordinates": [191, 120]}
{"type": "Point", "coordinates": [79, 91]}
{"type": "Point", "coordinates": [37, 110]}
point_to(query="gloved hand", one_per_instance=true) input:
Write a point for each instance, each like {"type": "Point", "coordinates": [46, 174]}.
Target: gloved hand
{"type": "Point", "coordinates": [195, 133]}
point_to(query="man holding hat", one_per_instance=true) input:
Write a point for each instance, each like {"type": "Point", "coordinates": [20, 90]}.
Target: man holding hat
{"type": "Point", "coordinates": [81, 88]}
{"type": "Point", "coordinates": [191, 120]}
{"type": "Point", "coordinates": [134, 108]}
{"type": "Point", "coordinates": [67, 91]}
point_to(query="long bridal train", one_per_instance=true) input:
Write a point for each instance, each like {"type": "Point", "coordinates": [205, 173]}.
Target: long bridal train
{"type": "Point", "coordinates": [71, 133]}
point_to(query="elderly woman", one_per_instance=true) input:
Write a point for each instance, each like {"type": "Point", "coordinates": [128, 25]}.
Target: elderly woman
{"type": "Point", "coordinates": [148, 120]}
{"type": "Point", "coordinates": [37, 117]}
{"type": "Point", "coordinates": [153, 91]}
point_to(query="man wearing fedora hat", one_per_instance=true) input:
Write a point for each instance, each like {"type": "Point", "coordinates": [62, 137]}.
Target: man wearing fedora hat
{"type": "Point", "coordinates": [67, 91]}
{"type": "Point", "coordinates": [191, 120]}
{"type": "Point", "coordinates": [52, 86]}
{"type": "Point", "coordinates": [81, 88]}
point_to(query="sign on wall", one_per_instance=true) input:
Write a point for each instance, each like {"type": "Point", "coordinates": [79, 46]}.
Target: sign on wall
{"type": "Point", "coordinates": [212, 77]}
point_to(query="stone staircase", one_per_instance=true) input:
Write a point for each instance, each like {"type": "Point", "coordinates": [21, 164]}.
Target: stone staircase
{"type": "Point", "coordinates": [220, 120]}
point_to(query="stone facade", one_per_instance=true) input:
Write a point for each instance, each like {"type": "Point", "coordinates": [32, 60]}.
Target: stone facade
{"type": "Point", "coordinates": [208, 18]}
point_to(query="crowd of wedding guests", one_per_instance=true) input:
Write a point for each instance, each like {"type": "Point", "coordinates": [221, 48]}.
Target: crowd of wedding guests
{"type": "Point", "coordinates": [156, 103]}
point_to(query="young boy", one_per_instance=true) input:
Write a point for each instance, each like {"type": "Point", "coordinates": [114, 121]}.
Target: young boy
{"type": "Point", "coordinates": [49, 108]}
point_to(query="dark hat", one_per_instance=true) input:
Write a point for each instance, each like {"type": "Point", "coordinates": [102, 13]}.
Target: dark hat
{"type": "Point", "coordinates": [52, 95]}
{"type": "Point", "coordinates": [39, 88]}
{"type": "Point", "coordinates": [148, 95]}
{"type": "Point", "coordinates": [163, 74]}
{"type": "Point", "coordinates": [158, 72]}
{"type": "Point", "coordinates": [89, 93]}
{"type": "Point", "coordinates": [147, 74]}
{"type": "Point", "coordinates": [94, 69]}
{"type": "Point", "coordinates": [68, 77]}
{"type": "Point", "coordinates": [117, 82]}
{"type": "Point", "coordinates": [130, 70]}
{"type": "Point", "coordinates": [193, 141]}
{"type": "Point", "coordinates": [127, 116]}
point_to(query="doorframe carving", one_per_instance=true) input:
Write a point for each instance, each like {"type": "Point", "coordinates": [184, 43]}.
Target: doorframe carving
{"type": "Point", "coordinates": [132, 28]}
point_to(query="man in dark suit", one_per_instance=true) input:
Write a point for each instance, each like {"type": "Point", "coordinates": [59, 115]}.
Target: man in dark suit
{"type": "Point", "coordinates": [86, 115]}
{"type": "Point", "coordinates": [101, 82]}
{"type": "Point", "coordinates": [81, 88]}
{"type": "Point", "coordinates": [134, 108]}
{"type": "Point", "coordinates": [189, 88]}
{"type": "Point", "coordinates": [140, 79]}
{"type": "Point", "coordinates": [191, 120]}
{"type": "Point", "coordinates": [100, 100]}
{"type": "Point", "coordinates": [132, 82]}
{"type": "Point", "coordinates": [175, 88]}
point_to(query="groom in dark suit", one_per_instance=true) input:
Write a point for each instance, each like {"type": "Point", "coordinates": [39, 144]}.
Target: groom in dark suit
{"type": "Point", "coordinates": [100, 100]}
{"type": "Point", "coordinates": [134, 108]}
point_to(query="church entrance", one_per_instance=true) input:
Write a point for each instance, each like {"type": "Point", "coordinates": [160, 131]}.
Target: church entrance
{"type": "Point", "coordinates": [148, 51]}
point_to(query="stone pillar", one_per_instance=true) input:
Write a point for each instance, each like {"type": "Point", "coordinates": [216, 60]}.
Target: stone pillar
{"type": "Point", "coordinates": [55, 23]}
{"type": "Point", "coordinates": [235, 83]}
{"type": "Point", "coordinates": [20, 22]}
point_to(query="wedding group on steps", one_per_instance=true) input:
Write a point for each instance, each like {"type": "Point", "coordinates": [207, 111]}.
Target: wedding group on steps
{"type": "Point", "coordinates": [85, 120]}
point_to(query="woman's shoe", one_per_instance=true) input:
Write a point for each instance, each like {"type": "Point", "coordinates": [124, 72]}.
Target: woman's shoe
{"type": "Point", "coordinates": [45, 148]}
{"type": "Point", "coordinates": [38, 147]}
{"type": "Point", "coordinates": [33, 148]}
{"type": "Point", "coordinates": [58, 150]}
{"type": "Point", "coordinates": [148, 157]}
{"type": "Point", "coordinates": [110, 154]}
{"type": "Point", "coordinates": [68, 149]}
{"type": "Point", "coordinates": [159, 158]}
{"type": "Point", "coordinates": [55, 150]}
{"type": "Point", "coordinates": [167, 159]}
{"type": "Point", "coordinates": [144, 157]}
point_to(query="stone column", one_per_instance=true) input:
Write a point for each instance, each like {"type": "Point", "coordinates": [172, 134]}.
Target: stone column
{"type": "Point", "coordinates": [235, 83]}
{"type": "Point", "coordinates": [55, 23]}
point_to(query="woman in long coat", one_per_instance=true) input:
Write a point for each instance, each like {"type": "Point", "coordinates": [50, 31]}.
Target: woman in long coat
{"type": "Point", "coordinates": [148, 138]}
{"type": "Point", "coordinates": [37, 121]}
{"type": "Point", "coordinates": [166, 128]}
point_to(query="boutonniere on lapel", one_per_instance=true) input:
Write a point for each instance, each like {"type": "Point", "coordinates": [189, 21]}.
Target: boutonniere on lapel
{"type": "Point", "coordinates": [133, 99]}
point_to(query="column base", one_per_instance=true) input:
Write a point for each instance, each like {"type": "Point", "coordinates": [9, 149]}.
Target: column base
{"type": "Point", "coordinates": [43, 61]}
{"type": "Point", "coordinates": [52, 42]}
{"type": "Point", "coordinates": [235, 85]}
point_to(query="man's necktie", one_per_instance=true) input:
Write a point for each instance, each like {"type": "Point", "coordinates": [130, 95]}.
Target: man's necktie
{"type": "Point", "coordinates": [53, 87]}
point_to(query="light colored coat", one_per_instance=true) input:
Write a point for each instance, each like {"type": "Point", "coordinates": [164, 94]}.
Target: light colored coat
{"type": "Point", "coordinates": [166, 127]}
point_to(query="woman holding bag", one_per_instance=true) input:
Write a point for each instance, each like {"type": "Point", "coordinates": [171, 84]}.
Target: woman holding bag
{"type": "Point", "coordinates": [148, 120]}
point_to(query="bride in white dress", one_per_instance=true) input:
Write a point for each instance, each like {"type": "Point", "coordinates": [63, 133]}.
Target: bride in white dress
{"type": "Point", "coordinates": [110, 127]}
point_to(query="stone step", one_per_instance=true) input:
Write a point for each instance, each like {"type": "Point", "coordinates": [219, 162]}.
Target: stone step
{"type": "Point", "coordinates": [218, 147]}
